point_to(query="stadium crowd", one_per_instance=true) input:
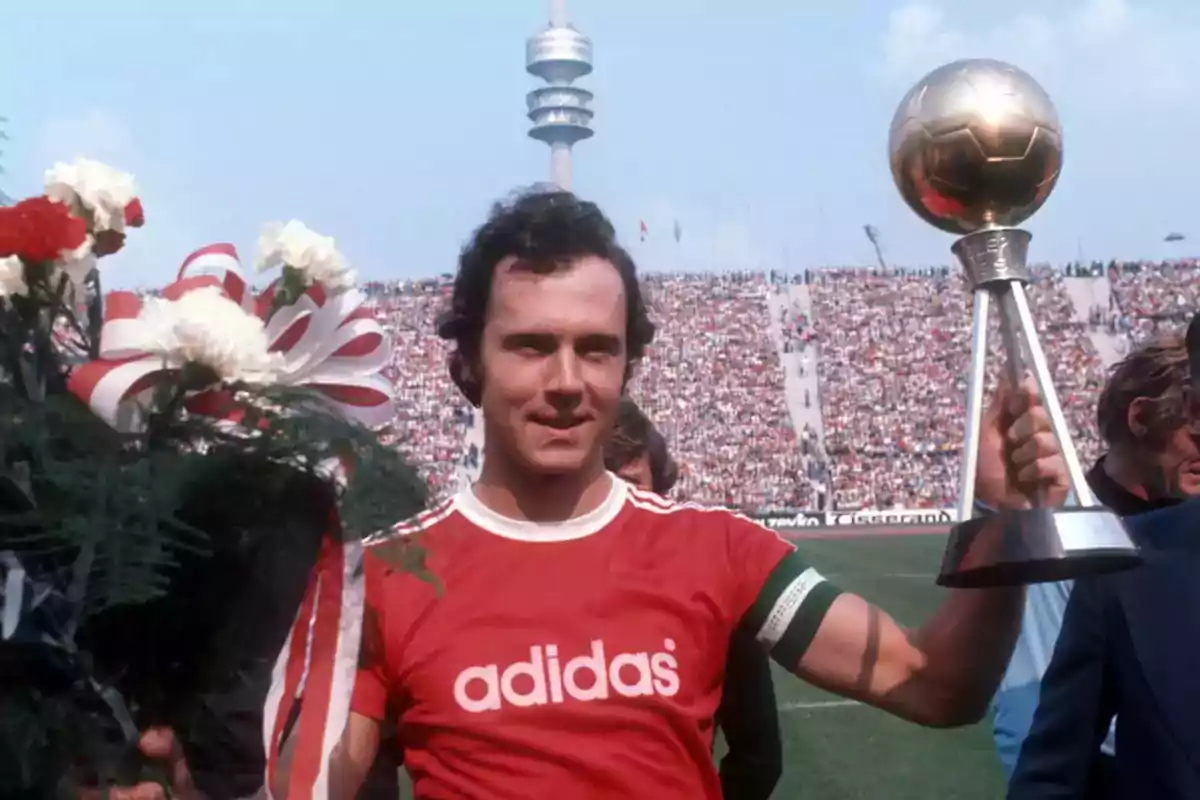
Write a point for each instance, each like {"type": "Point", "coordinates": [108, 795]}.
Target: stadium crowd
{"type": "Point", "coordinates": [893, 369]}
{"type": "Point", "coordinates": [713, 384]}
{"type": "Point", "coordinates": [893, 354]}
{"type": "Point", "coordinates": [431, 416]}
{"type": "Point", "coordinates": [1151, 298]}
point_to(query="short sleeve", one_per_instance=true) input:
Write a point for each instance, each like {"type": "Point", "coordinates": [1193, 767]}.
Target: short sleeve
{"type": "Point", "coordinates": [780, 598]}
{"type": "Point", "coordinates": [370, 697]}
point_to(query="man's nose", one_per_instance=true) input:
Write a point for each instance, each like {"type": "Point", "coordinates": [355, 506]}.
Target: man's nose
{"type": "Point", "coordinates": [565, 377]}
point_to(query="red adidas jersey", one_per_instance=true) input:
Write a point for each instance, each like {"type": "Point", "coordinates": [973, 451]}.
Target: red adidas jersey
{"type": "Point", "coordinates": [581, 659]}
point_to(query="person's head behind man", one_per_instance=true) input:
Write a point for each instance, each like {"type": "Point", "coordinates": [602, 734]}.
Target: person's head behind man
{"type": "Point", "coordinates": [1143, 418]}
{"type": "Point", "coordinates": [637, 452]}
{"type": "Point", "coordinates": [548, 321]}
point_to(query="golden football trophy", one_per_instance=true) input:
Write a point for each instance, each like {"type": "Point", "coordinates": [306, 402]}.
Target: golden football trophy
{"type": "Point", "coordinates": [975, 150]}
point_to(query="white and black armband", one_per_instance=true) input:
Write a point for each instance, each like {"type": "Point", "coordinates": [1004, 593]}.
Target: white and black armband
{"type": "Point", "coordinates": [789, 609]}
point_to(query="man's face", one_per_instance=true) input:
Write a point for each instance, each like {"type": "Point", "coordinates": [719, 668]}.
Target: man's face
{"type": "Point", "coordinates": [1189, 438]}
{"type": "Point", "coordinates": [553, 360]}
{"type": "Point", "coordinates": [1192, 397]}
{"type": "Point", "coordinates": [1177, 464]}
{"type": "Point", "coordinates": [638, 472]}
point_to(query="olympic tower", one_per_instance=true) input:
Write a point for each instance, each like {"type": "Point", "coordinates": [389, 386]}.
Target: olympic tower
{"type": "Point", "coordinates": [561, 113]}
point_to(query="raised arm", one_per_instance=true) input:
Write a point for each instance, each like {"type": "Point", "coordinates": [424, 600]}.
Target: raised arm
{"type": "Point", "coordinates": [945, 672]}
{"type": "Point", "coordinates": [941, 674]}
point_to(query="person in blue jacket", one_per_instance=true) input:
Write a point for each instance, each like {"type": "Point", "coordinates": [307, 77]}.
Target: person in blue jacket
{"type": "Point", "coordinates": [1129, 651]}
{"type": "Point", "coordinates": [1149, 463]}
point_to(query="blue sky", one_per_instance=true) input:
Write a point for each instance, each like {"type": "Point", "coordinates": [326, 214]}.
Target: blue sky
{"type": "Point", "coordinates": [759, 124]}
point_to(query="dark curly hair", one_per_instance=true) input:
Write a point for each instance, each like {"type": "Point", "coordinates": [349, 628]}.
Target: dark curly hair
{"type": "Point", "coordinates": [633, 436]}
{"type": "Point", "coordinates": [630, 436]}
{"type": "Point", "coordinates": [1157, 371]}
{"type": "Point", "coordinates": [545, 230]}
{"type": "Point", "coordinates": [1193, 346]}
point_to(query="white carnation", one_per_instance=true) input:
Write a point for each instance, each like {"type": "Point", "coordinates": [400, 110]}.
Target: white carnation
{"type": "Point", "coordinates": [315, 256]}
{"type": "Point", "coordinates": [95, 188]}
{"type": "Point", "coordinates": [78, 263]}
{"type": "Point", "coordinates": [206, 327]}
{"type": "Point", "coordinates": [12, 277]}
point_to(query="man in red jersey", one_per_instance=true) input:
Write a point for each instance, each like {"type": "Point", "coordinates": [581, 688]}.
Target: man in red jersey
{"type": "Point", "coordinates": [575, 645]}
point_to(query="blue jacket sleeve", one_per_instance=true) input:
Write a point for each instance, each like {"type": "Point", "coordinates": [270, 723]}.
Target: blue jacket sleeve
{"type": "Point", "coordinates": [1074, 709]}
{"type": "Point", "coordinates": [1017, 699]}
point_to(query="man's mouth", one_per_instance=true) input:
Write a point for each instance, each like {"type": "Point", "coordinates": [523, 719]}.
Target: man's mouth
{"type": "Point", "coordinates": [560, 423]}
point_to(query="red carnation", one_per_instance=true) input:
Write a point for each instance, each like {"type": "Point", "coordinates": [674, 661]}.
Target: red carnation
{"type": "Point", "coordinates": [135, 217]}
{"type": "Point", "coordinates": [39, 229]}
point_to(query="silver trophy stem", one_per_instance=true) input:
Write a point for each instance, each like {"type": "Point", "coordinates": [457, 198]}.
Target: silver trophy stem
{"type": "Point", "coordinates": [1045, 384]}
{"type": "Point", "coordinates": [995, 262]}
{"type": "Point", "coordinates": [974, 422]}
{"type": "Point", "coordinates": [1010, 329]}
{"type": "Point", "coordinates": [1040, 543]}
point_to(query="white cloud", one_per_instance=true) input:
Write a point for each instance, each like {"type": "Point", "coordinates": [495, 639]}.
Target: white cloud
{"type": "Point", "coordinates": [1100, 51]}
{"type": "Point", "coordinates": [152, 254]}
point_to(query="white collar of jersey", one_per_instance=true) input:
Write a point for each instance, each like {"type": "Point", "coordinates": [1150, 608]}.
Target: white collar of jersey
{"type": "Point", "coordinates": [525, 530]}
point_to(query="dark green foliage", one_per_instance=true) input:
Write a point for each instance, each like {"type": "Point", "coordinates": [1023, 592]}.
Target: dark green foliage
{"type": "Point", "coordinates": [170, 562]}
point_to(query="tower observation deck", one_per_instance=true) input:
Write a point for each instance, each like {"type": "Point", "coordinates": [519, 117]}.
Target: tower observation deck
{"type": "Point", "coordinates": [560, 112]}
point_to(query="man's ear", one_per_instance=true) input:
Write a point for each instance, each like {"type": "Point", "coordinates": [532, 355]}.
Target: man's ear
{"type": "Point", "coordinates": [1134, 417]}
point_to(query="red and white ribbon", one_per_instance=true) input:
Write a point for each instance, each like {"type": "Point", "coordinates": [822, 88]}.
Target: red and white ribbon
{"type": "Point", "coordinates": [330, 343]}
{"type": "Point", "coordinates": [318, 663]}
{"type": "Point", "coordinates": [119, 385]}
{"type": "Point", "coordinates": [221, 261]}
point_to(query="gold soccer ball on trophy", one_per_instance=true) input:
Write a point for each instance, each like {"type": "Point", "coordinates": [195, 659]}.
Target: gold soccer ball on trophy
{"type": "Point", "coordinates": [975, 144]}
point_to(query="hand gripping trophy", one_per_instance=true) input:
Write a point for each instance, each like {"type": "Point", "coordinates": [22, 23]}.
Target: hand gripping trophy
{"type": "Point", "coordinates": [975, 150]}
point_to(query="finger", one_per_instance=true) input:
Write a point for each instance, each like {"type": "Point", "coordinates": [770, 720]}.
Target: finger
{"type": "Point", "coordinates": [162, 743]}
{"type": "Point", "coordinates": [1042, 444]}
{"type": "Point", "coordinates": [1045, 471]}
{"type": "Point", "coordinates": [1035, 420]}
{"type": "Point", "coordinates": [1023, 397]}
{"type": "Point", "coordinates": [997, 407]}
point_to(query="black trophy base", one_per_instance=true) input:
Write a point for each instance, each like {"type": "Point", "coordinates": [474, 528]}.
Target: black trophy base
{"type": "Point", "coordinates": [1040, 545]}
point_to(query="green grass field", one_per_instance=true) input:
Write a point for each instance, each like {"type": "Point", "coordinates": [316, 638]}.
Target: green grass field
{"type": "Point", "coordinates": [837, 750]}
{"type": "Point", "coordinates": [833, 750]}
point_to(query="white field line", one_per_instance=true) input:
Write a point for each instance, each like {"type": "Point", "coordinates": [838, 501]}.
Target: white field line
{"type": "Point", "coordinates": [818, 704]}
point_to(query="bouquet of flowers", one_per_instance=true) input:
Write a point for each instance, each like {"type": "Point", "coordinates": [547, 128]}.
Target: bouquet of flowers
{"type": "Point", "coordinates": [172, 468]}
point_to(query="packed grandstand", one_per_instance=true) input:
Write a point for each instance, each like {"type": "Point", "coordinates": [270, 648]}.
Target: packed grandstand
{"type": "Point", "coordinates": [830, 391]}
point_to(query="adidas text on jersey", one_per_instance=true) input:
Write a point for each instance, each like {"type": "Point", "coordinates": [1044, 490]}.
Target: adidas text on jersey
{"type": "Point", "coordinates": [544, 679]}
